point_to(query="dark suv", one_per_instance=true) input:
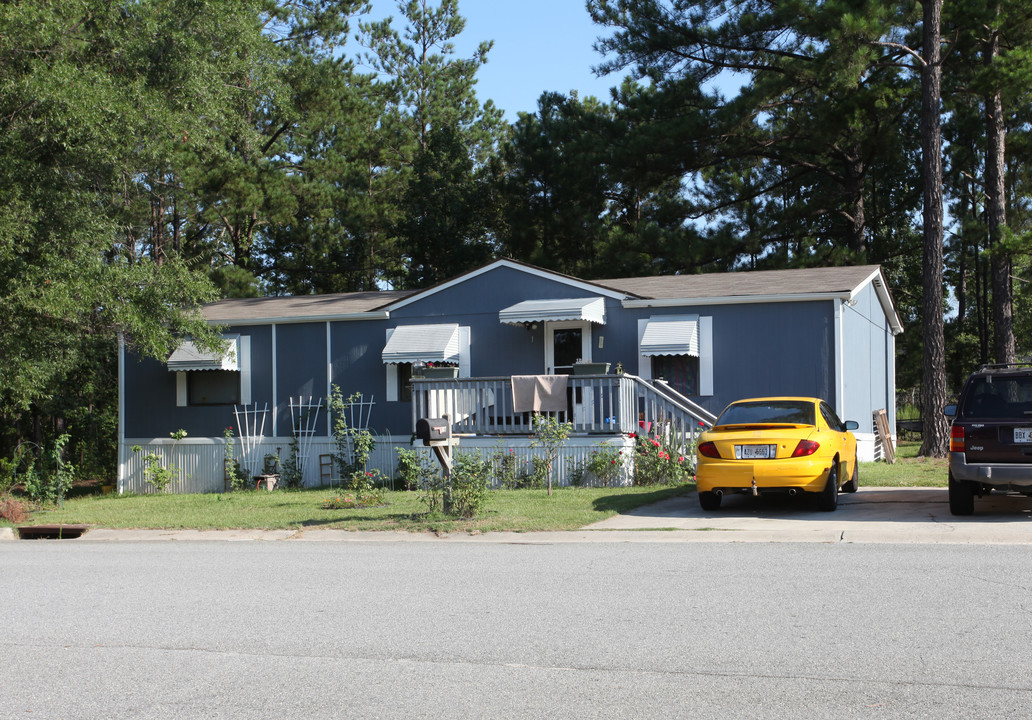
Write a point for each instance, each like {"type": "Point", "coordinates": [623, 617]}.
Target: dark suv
{"type": "Point", "coordinates": [991, 436]}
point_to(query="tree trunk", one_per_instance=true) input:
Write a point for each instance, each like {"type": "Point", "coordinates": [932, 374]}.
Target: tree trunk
{"type": "Point", "coordinates": [933, 386]}
{"type": "Point", "coordinates": [996, 211]}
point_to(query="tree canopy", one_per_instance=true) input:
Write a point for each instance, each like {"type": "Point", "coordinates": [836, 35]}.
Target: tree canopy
{"type": "Point", "coordinates": [157, 154]}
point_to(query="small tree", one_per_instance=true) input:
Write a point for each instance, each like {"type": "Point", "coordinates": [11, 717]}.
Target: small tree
{"type": "Point", "coordinates": [233, 473]}
{"type": "Point", "coordinates": [551, 435]}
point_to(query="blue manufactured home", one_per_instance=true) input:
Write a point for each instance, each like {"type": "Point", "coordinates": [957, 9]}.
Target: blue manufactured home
{"type": "Point", "coordinates": [663, 353]}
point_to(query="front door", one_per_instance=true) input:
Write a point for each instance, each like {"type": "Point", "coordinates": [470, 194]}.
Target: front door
{"type": "Point", "coordinates": [566, 343]}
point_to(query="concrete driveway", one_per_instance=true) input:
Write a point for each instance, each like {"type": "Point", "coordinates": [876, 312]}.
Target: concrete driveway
{"type": "Point", "coordinates": [875, 514]}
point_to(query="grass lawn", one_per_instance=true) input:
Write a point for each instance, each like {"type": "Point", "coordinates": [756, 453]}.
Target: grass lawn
{"type": "Point", "coordinates": [909, 470]}
{"type": "Point", "coordinates": [515, 510]}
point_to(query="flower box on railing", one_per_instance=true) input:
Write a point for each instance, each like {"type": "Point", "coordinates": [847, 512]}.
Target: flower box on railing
{"type": "Point", "coordinates": [438, 373]}
{"type": "Point", "coordinates": [590, 368]}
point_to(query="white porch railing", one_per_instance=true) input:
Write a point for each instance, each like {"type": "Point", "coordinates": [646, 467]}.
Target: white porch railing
{"type": "Point", "coordinates": [596, 404]}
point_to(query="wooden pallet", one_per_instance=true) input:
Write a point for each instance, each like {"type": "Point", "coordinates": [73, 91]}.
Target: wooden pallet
{"type": "Point", "coordinates": [881, 426]}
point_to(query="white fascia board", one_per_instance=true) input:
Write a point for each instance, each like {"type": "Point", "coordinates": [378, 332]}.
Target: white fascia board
{"type": "Point", "coordinates": [734, 300]}
{"type": "Point", "coordinates": [300, 319]}
{"type": "Point", "coordinates": [537, 272]}
{"type": "Point", "coordinates": [881, 290]}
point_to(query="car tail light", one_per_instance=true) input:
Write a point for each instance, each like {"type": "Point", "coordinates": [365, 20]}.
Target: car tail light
{"type": "Point", "coordinates": [805, 447]}
{"type": "Point", "coordinates": [957, 438]}
{"type": "Point", "coordinates": [709, 449]}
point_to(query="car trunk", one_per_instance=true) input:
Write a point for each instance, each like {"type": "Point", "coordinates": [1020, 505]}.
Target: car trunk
{"type": "Point", "coordinates": [750, 439]}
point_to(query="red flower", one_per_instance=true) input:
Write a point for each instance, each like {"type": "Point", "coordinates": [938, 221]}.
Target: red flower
{"type": "Point", "coordinates": [632, 435]}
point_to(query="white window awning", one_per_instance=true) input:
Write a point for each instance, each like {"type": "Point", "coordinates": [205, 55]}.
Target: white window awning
{"type": "Point", "coordinates": [590, 309]}
{"type": "Point", "coordinates": [188, 357]}
{"type": "Point", "coordinates": [668, 336]}
{"type": "Point", "coordinates": [422, 343]}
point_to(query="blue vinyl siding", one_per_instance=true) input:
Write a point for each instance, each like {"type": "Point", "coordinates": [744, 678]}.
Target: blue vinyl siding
{"type": "Point", "coordinates": [776, 348]}
{"type": "Point", "coordinates": [866, 342]}
{"type": "Point", "coordinates": [150, 398]}
{"type": "Point", "coordinates": [300, 371]}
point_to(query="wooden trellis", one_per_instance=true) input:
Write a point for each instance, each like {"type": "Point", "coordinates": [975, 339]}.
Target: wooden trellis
{"type": "Point", "coordinates": [251, 423]}
{"type": "Point", "coordinates": [304, 420]}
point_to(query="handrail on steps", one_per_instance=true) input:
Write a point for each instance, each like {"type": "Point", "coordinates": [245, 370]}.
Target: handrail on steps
{"type": "Point", "coordinates": [689, 406]}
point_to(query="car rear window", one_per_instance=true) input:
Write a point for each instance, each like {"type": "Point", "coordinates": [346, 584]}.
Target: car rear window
{"type": "Point", "coordinates": [796, 412]}
{"type": "Point", "coordinates": [998, 397]}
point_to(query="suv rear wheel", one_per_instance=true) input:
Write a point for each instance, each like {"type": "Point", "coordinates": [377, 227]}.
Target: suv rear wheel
{"type": "Point", "coordinates": [962, 497]}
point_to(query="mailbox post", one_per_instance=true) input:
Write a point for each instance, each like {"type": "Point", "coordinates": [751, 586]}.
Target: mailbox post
{"type": "Point", "coordinates": [436, 433]}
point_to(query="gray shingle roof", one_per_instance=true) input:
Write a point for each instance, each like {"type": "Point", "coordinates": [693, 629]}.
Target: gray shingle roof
{"type": "Point", "coordinates": [758, 283]}
{"type": "Point", "coordinates": [743, 284]}
{"type": "Point", "coordinates": [241, 310]}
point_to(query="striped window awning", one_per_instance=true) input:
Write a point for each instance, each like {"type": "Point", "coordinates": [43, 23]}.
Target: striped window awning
{"type": "Point", "coordinates": [589, 309]}
{"type": "Point", "coordinates": [188, 357]}
{"type": "Point", "coordinates": [422, 343]}
{"type": "Point", "coordinates": [669, 336]}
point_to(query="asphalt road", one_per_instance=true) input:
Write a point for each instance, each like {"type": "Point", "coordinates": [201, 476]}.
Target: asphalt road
{"type": "Point", "coordinates": [598, 629]}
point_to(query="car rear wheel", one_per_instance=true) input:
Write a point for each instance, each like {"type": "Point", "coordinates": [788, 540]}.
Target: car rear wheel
{"type": "Point", "coordinates": [709, 501]}
{"type": "Point", "coordinates": [962, 496]}
{"type": "Point", "coordinates": [827, 500]}
{"type": "Point", "coordinates": [854, 481]}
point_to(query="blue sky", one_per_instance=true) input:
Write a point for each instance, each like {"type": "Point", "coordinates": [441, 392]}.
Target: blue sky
{"type": "Point", "coordinates": [539, 45]}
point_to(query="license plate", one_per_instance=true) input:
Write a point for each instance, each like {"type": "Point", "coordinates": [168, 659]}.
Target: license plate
{"type": "Point", "coordinates": [755, 452]}
{"type": "Point", "coordinates": [1023, 435]}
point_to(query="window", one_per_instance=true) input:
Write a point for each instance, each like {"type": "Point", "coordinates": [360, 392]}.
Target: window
{"type": "Point", "coordinates": [404, 381]}
{"type": "Point", "coordinates": [789, 412]}
{"type": "Point", "coordinates": [680, 371]}
{"type": "Point", "coordinates": [679, 350]}
{"type": "Point", "coordinates": [831, 418]}
{"type": "Point", "coordinates": [213, 387]}
{"type": "Point", "coordinates": [211, 379]}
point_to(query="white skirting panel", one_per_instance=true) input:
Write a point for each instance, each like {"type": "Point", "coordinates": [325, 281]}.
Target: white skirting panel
{"type": "Point", "coordinates": [200, 460]}
{"type": "Point", "coordinates": [868, 446]}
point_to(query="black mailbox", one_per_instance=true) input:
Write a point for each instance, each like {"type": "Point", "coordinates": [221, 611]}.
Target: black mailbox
{"type": "Point", "coordinates": [433, 431]}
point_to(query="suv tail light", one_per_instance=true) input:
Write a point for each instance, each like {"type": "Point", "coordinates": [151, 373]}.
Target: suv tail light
{"type": "Point", "coordinates": [957, 438]}
{"type": "Point", "coordinates": [805, 447]}
{"type": "Point", "coordinates": [709, 450]}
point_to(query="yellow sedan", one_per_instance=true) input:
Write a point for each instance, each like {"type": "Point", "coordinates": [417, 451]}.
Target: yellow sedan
{"type": "Point", "coordinates": [777, 444]}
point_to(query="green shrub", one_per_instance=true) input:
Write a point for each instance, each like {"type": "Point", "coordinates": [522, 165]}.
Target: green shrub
{"type": "Point", "coordinates": [471, 475]}
{"type": "Point", "coordinates": [603, 468]}
{"type": "Point", "coordinates": [159, 476]}
{"type": "Point", "coordinates": [655, 464]}
{"type": "Point", "coordinates": [513, 474]}
{"type": "Point", "coordinates": [292, 473]}
{"type": "Point", "coordinates": [48, 483]}
{"type": "Point", "coordinates": [413, 470]}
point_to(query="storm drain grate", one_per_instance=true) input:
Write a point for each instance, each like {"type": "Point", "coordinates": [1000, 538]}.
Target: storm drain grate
{"type": "Point", "coordinates": [51, 532]}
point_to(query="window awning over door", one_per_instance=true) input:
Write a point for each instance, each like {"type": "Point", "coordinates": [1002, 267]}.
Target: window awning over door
{"type": "Point", "coordinates": [671, 337]}
{"type": "Point", "coordinates": [189, 357]}
{"type": "Point", "coordinates": [423, 343]}
{"type": "Point", "coordinates": [590, 309]}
